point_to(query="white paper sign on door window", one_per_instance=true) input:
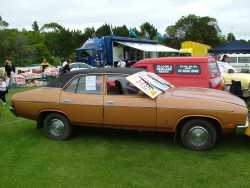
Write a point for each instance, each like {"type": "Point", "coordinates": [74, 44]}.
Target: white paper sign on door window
{"type": "Point", "coordinates": [90, 83]}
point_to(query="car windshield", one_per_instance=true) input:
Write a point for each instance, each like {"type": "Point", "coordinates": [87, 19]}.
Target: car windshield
{"type": "Point", "coordinates": [80, 65]}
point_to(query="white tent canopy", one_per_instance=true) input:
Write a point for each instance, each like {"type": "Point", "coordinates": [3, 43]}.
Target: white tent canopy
{"type": "Point", "coordinates": [149, 47]}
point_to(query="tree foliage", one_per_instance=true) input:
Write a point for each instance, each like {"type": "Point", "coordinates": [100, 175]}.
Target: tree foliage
{"type": "Point", "coordinates": [35, 26]}
{"type": "Point", "coordinates": [148, 31]}
{"type": "Point", "coordinates": [3, 24]}
{"type": "Point", "coordinates": [195, 28]}
{"type": "Point", "coordinates": [121, 31]}
{"type": "Point", "coordinates": [230, 37]}
{"type": "Point", "coordinates": [104, 30]}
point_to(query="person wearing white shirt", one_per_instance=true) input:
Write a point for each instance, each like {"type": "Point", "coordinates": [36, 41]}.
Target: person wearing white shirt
{"type": "Point", "coordinates": [3, 89]}
{"type": "Point", "coordinates": [121, 64]}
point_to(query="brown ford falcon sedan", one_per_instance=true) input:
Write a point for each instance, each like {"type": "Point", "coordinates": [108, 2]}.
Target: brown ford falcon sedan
{"type": "Point", "coordinates": [108, 98]}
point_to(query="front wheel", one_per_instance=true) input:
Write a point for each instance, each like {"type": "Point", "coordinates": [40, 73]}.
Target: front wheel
{"type": "Point", "coordinates": [198, 134]}
{"type": "Point", "coordinates": [57, 127]}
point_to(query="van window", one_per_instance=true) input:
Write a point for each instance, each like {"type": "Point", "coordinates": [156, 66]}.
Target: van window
{"type": "Point", "coordinates": [213, 69]}
{"type": "Point", "coordinates": [163, 69]}
{"type": "Point", "coordinates": [231, 59]}
{"type": "Point", "coordinates": [188, 69]}
{"type": "Point", "coordinates": [244, 59]}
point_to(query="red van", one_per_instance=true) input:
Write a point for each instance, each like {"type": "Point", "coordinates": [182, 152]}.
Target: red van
{"type": "Point", "coordinates": [185, 71]}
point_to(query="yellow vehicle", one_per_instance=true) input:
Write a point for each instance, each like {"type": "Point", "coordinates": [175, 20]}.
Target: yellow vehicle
{"type": "Point", "coordinates": [231, 77]}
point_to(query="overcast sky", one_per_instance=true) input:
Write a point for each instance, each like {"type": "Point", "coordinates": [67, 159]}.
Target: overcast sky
{"type": "Point", "coordinates": [232, 16]}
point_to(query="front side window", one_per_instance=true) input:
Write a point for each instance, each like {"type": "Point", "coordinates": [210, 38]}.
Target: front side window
{"type": "Point", "coordinates": [231, 59]}
{"type": "Point", "coordinates": [118, 85]}
{"type": "Point", "coordinates": [71, 88]}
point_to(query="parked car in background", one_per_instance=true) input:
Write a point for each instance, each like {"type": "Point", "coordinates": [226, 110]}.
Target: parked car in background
{"type": "Point", "coordinates": [185, 71]}
{"type": "Point", "coordinates": [79, 66]}
{"type": "Point", "coordinates": [241, 62]}
{"type": "Point", "coordinates": [236, 82]}
{"type": "Point", "coordinates": [127, 99]}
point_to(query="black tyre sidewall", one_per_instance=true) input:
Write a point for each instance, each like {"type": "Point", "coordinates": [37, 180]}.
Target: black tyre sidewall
{"type": "Point", "coordinates": [212, 134]}
{"type": "Point", "coordinates": [67, 131]}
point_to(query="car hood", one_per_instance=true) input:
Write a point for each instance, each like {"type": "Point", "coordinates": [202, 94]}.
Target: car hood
{"type": "Point", "coordinates": [243, 77]}
{"type": "Point", "coordinates": [208, 94]}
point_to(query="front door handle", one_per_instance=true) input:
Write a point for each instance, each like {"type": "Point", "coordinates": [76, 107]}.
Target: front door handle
{"type": "Point", "coordinates": [67, 100]}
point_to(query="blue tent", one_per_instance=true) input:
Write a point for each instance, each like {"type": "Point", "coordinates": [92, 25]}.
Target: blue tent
{"type": "Point", "coordinates": [232, 47]}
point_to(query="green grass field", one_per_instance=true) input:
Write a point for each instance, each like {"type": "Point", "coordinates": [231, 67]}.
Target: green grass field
{"type": "Point", "coordinates": [108, 158]}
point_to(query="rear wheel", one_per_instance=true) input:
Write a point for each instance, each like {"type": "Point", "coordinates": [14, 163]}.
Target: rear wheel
{"type": "Point", "coordinates": [198, 134]}
{"type": "Point", "coordinates": [57, 126]}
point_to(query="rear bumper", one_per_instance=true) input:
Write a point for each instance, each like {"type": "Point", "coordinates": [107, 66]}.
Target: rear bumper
{"type": "Point", "coordinates": [12, 109]}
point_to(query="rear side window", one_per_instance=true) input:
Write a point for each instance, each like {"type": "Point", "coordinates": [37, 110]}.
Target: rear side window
{"type": "Point", "coordinates": [213, 69]}
{"type": "Point", "coordinates": [188, 69]}
{"type": "Point", "coordinates": [90, 84]}
{"type": "Point", "coordinates": [163, 69]}
{"type": "Point", "coordinates": [244, 59]}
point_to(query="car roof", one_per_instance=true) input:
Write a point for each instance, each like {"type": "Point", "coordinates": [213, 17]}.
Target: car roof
{"type": "Point", "coordinates": [63, 79]}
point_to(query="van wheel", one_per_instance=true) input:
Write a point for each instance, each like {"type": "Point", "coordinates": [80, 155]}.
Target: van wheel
{"type": "Point", "coordinates": [198, 134]}
{"type": "Point", "coordinates": [57, 127]}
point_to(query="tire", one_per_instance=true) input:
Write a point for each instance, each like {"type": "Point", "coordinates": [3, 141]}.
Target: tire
{"type": "Point", "coordinates": [198, 134]}
{"type": "Point", "coordinates": [57, 127]}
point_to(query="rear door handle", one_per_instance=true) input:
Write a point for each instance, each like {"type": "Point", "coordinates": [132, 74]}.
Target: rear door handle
{"type": "Point", "coordinates": [67, 100]}
{"type": "Point", "coordinates": [110, 102]}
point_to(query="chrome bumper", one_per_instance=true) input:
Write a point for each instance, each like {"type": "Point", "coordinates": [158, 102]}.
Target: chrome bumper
{"type": "Point", "coordinates": [12, 109]}
{"type": "Point", "coordinates": [240, 129]}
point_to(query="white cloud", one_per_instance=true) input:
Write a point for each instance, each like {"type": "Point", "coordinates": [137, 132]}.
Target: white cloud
{"type": "Point", "coordinates": [231, 15]}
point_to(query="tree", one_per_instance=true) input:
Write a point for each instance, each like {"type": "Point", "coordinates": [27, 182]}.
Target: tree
{"type": "Point", "coordinates": [134, 33]}
{"type": "Point", "coordinates": [148, 31]}
{"type": "Point", "coordinates": [35, 26]}
{"type": "Point", "coordinates": [121, 31]}
{"type": "Point", "coordinates": [3, 24]}
{"type": "Point", "coordinates": [195, 28]}
{"type": "Point", "coordinates": [230, 37]}
{"type": "Point", "coordinates": [53, 26]}
{"type": "Point", "coordinates": [89, 32]}
{"type": "Point", "coordinates": [104, 30]}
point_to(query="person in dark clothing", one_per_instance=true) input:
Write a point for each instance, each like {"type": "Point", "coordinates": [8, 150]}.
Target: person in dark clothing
{"type": "Point", "coordinates": [66, 68]}
{"type": "Point", "coordinates": [9, 70]}
{"type": "Point", "coordinates": [3, 89]}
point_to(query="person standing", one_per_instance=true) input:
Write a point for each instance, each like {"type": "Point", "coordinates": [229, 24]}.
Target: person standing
{"type": "Point", "coordinates": [10, 71]}
{"type": "Point", "coordinates": [66, 67]}
{"type": "Point", "coordinates": [3, 89]}
{"type": "Point", "coordinates": [44, 64]}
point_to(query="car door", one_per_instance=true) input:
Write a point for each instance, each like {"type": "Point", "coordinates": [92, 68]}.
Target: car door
{"type": "Point", "coordinates": [124, 107]}
{"type": "Point", "coordinates": [82, 100]}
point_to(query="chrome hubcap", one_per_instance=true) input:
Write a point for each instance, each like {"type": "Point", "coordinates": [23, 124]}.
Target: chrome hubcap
{"type": "Point", "coordinates": [198, 136]}
{"type": "Point", "coordinates": [56, 127]}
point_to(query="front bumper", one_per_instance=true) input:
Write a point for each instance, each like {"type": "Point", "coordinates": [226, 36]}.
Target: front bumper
{"type": "Point", "coordinates": [243, 129]}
